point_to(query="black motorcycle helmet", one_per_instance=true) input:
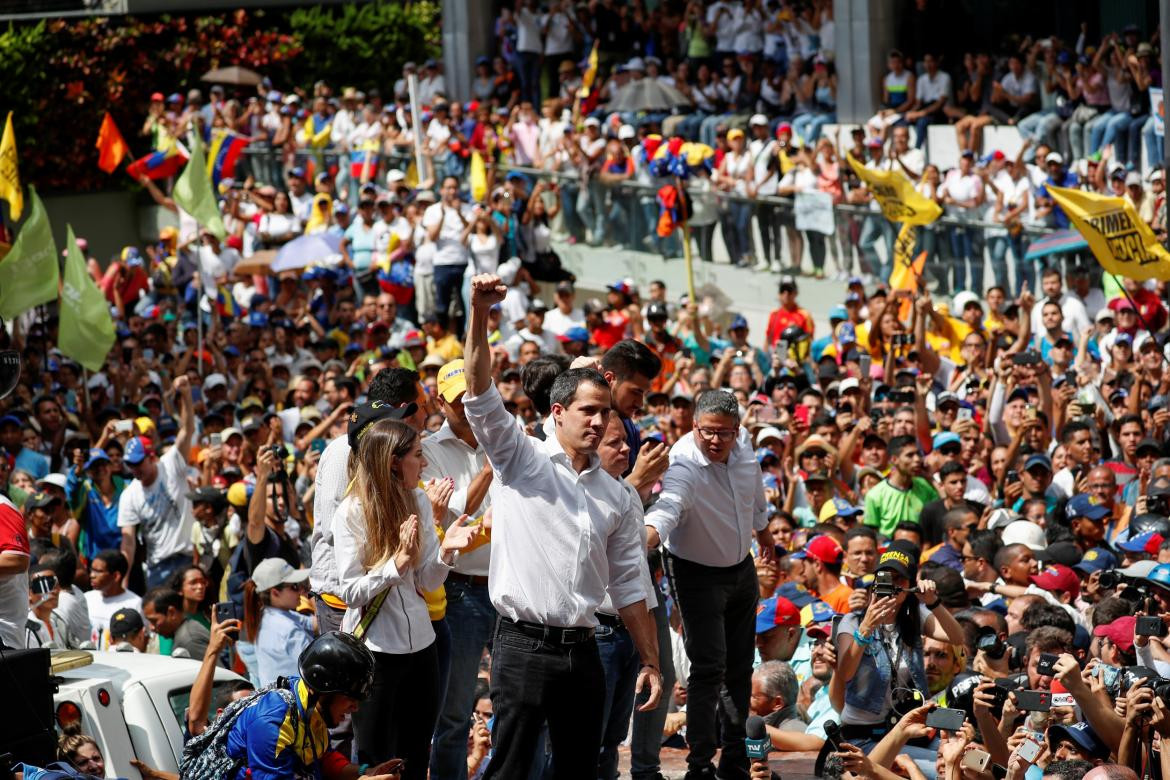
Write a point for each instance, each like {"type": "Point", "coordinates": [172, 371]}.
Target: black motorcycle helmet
{"type": "Point", "coordinates": [1147, 522]}
{"type": "Point", "coordinates": [794, 334]}
{"type": "Point", "coordinates": [337, 662]}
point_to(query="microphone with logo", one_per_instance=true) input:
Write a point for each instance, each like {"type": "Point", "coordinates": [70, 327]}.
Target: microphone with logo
{"type": "Point", "coordinates": [758, 744]}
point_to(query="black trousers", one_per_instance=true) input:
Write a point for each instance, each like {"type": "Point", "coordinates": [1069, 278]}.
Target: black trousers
{"type": "Point", "coordinates": [398, 718]}
{"type": "Point", "coordinates": [718, 608]}
{"type": "Point", "coordinates": [535, 681]}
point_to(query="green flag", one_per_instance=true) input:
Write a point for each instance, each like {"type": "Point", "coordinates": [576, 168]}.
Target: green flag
{"type": "Point", "coordinates": [86, 332]}
{"type": "Point", "coordinates": [193, 192]}
{"type": "Point", "coordinates": [28, 275]}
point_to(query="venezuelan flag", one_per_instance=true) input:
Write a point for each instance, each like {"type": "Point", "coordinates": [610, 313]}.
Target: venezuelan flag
{"type": "Point", "coordinates": [159, 164]}
{"type": "Point", "coordinates": [223, 152]}
{"type": "Point", "coordinates": [363, 164]}
{"type": "Point", "coordinates": [226, 303]}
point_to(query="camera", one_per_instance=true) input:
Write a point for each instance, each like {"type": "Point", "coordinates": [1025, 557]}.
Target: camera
{"type": "Point", "coordinates": [989, 642]}
{"type": "Point", "coordinates": [1150, 625]}
{"type": "Point", "coordinates": [1110, 579]}
{"type": "Point", "coordinates": [279, 474]}
{"type": "Point", "coordinates": [883, 585]}
{"type": "Point", "coordinates": [1132, 674]}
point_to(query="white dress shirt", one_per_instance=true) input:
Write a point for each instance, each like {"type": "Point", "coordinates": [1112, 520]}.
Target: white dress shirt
{"type": "Point", "coordinates": [647, 581]}
{"type": "Point", "coordinates": [692, 512]}
{"type": "Point", "coordinates": [329, 489]}
{"type": "Point", "coordinates": [1076, 318]}
{"type": "Point", "coordinates": [449, 456]}
{"type": "Point", "coordinates": [559, 537]}
{"type": "Point", "coordinates": [403, 624]}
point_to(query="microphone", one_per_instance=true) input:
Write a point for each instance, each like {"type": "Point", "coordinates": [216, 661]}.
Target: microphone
{"type": "Point", "coordinates": [757, 742]}
{"type": "Point", "coordinates": [832, 745]}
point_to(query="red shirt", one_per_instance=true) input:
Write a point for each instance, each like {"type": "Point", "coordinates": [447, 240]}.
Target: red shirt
{"type": "Point", "coordinates": [611, 331]}
{"type": "Point", "coordinates": [13, 534]}
{"type": "Point", "coordinates": [782, 318]}
{"type": "Point", "coordinates": [1150, 307]}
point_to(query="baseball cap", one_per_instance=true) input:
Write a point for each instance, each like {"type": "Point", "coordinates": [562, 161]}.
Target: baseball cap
{"type": "Point", "coordinates": [769, 432]}
{"type": "Point", "coordinates": [657, 311]}
{"type": "Point", "coordinates": [1038, 459]}
{"type": "Point", "coordinates": [963, 299]}
{"type": "Point", "coordinates": [817, 613]}
{"type": "Point", "coordinates": [364, 415]}
{"type": "Point", "coordinates": [1002, 517]}
{"type": "Point", "coordinates": [1082, 734]}
{"type": "Point", "coordinates": [901, 558]}
{"type": "Point", "coordinates": [838, 312]}
{"type": "Point", "coordinates": [1026, 533]}
{"type": "Point", "coordinates": [838, 507]}
{"type": "Point", "coordinates": [576, 333]}
{"type": "Point", "coordinates": [763, 453]}
{"type": "Point", "coordinates": [272, 572]}
{"type": "Point", "coordinates": [739, 321]}
{"type": "Point", "coordinates": [96, 455]}
{"type": "Point", "coordinates": [1064, 553]}
{"type": "Point", "coordinates": [452, 380]}
{"type": "Point", "coordinates": [1085, 505]}
{"type": "Point", "coordinates": [776, 612]}
{"type": "Point", "coordinates": [137, 450]}
{"type": "Point", "coordinates": [208, 495]}
{"type": "Point", "coordinates": [823, 548]}
{"type": "Point", "coordinates": [39, 500]}
{"type": "Point", "coordinates": [758, 119]}
{"type": "Point", "coordinates": [944, 438]}
{"type": "Point", "coordinates": [126, 623]}
{"type": "Point", "coordinates": [1096, 559]}
{"type": "Point", "coordinates": [1058, 578]}
{"type": "Point", "coordinates": [1149, 542]}
{"type": "Point", "coordinates": [55, 479]}
{"type": "Point", "coordinates": [213, 381]}
{"type": "Point", "coordinates": [1054, 157]}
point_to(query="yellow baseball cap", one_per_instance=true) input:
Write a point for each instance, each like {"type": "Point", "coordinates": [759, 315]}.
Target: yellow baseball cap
{"type": "Point", "coordinates": [452, 380]}
{"type": "Point", "coordinates": [237, 494]}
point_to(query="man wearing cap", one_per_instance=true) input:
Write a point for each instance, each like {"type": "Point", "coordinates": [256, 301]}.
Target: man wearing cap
{"type": "Point", "coordinates": [566, 314]}
{"type": "Point", "coordinates": [155, 503]}
{"type": "Point", "coordinates": [453, 456]}
{"type": "Point", "coordinates": [534, 330]}
{"type": "Point", "coordinates": [127, 631]}
{"type": "Point", "coordinates": [546, 586]}
{"type": "Point", "coordinates": [710, 567]}
{"type": "Point", "coordinates": [789, 313]}
{"type": "Point", "coordinates": [1087, 515]}
{"type": "Point", "coordinates": [821, 560]}
{"type": "Point", "coordinates": [93, 492]}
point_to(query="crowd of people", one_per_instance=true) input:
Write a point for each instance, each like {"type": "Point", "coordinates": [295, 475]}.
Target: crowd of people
{"type": "Point", "coordinates": [753, 82]}
{"type": "Point", "coordinates": [475, 534]}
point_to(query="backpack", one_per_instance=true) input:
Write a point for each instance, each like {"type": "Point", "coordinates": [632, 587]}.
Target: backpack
{"type": "Point", "coordinates": [205, 757]}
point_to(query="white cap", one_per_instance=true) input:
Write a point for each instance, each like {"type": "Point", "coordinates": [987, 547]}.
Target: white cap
{"type": "Point", "coordinates": [227, 433]}
{"type": "Point", "coordinates": [1156, 174]}
{"type": "Point", "coordinates": [626, 132]}
{"type": "Point", "coordinates": [57, 480]}
{"type": "Point", "coordinates": [394, 175]}
{"type": "Point", "coordinates": [960, 301]}
{"type": "Point", "coordinates": [213, 381]}
{"type": "Point", "coordinates": [636, 63]}
{"type": "Point", "coordinates": [758, 119]}
{"type": "Point", "coordinates": [271, 572]}
{"type": "Point", "coordinates": [769, 432]}
{"type": "Point", "coordinates": [1105, 313]}
{"type": "Point", "coordinates": [1054, 157]}
{"type": "Point", "coordinates": [1141, 569]}
{"type": "Point", "coordinates": [97, 380]}
{"type": "Point", "coordinates": [593, 122]}
{"type": "Point", "coordinates": [1001, 518]}
{"type": "Point", "coordinates": [848, 384]}
{"type": "Point", "coordinates": [1026, 533]}
{"type": "Point", "coordinates": [1132, 178]}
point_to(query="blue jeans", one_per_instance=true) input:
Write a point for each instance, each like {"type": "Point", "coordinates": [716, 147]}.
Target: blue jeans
{"type": "Point", "coordinates": [1041, 128]}
{"type": "Point", "coordinates": [448, 284]}
{"type": "Point", "coordinates": [646, 736]}
{"type": "Point", "coordinates": [739, 238]}
{"type": "Point", "coordinates": [1097, 128]}
{"type": "Point", "coordinates": [808, 126]}
{"type": "Point", "coordinates": [1133, 148]}
{"type": "Point", "coordinates": [470, 620]}
{"type": "Point", "coordinates": [1116, 132]}
{"type": "Point", "coordinates": [963, 249]}
{"type": "Point", "coordinates": [1154, 144]}
{"type": "Point", "coordinates": [529, 73]}
{"type": "Point", "coordinates": [619, 659]}
{"type": "Point", "coordinates": [998, 246]}
{"type": "Point", "coordinates": [873, 229]}
{"type": "Point", "coordinates": [161, 572]}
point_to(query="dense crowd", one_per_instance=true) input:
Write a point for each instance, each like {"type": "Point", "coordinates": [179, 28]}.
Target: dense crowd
{"type": "Point", "coordinates": [852, 533]}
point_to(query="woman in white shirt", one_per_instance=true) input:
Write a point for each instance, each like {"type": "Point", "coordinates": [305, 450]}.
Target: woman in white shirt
{"type": "Point", "coordinates": [963, 194]}
{"type": "Point", "coordinates": [388, 554]}
{"type": "Point", "coordinates": [482, 236]}
{"type": "Point", "coordinates": [280, 225]}
{"type": "Point", "coordinates": [733, 177]}
{"type": "Point", "coordinates": [803, 178]}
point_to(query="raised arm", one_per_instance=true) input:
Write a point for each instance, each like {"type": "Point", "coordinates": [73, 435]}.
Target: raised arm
{"type": "Point", "coordinates": [486, 291]}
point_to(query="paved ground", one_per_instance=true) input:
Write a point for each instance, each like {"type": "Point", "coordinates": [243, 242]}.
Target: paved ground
{"type": "Point", "coordinates": [751, 293]}
{"type": "Point", "coordinates": [790, 766]}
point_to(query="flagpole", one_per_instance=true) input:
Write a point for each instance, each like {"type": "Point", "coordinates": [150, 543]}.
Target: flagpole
{"type": "Point", "coordinates": [1138, 312]}
{"type": "Point", "coordinates": [416, 124]}
{"type": "Point", "coordinates": [686, 231]}
{"type": "Point", "coordinates": [199, 328]}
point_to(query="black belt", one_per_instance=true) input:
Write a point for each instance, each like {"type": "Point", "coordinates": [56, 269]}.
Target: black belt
{"type": "Point", "coordinates": [552, 634]}
{"type": "Point", "coordinates": [470, 579]}
{"type": "Point", "coordinates": [610, 621]}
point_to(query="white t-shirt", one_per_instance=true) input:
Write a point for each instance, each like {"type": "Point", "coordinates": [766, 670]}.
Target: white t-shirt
{"type": "Point", "coordinates": [528, 31]}
{"type": "Point", "coordinates": [449, 250]}
{"type": "Point", "coordinates": [485, 253]}
{"type": "Point", "coordinates": [559, 36]}
{"type": "Point", "coordinates": [424, 251]}
{"type": "Point", "coordinates": [558, 323]}
{"type": "Point", "coordinates": [163, 509]}
{"type": "Point", "coordinates": [727, 27]}
{"type": "Point", "coordinates": [927, 89]}
{"type": "Point", "coordinates": [962, 187]}
{"type": "Point", "coordinates": [101, 609]}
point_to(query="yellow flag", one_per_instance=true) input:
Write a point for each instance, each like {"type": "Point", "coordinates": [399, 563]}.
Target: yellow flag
{"type": "Point", "coordinates": [10, 172]}
{"type": "Point", "coordinates": [477, 178]}
{"type": "Point", "coordinates": [895, 193]}
{"type": "Point", "coordinates": [907, 273]}
{"type": "Point", "coordinates": [411, 180]}
{"type": "Point", "coordinates": [1122, 243]}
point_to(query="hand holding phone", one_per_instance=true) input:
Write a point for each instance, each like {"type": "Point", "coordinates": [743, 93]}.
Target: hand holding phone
{"type": "Point", "coordinates": [946, 719]}
{"type": "Point", "coordinates": [1028, 750]}
{"type": "Point", "coordinates": [976, 759]}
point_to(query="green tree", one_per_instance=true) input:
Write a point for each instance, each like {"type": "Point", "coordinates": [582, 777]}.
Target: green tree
{"type": "Point", "coordinates": [364, 45]}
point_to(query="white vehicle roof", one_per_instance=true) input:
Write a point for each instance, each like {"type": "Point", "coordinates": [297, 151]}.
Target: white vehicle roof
{"type": "Point", "coordinates": [122, 668]}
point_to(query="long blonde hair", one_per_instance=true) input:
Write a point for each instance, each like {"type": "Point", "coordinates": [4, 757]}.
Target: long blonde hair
{"type": "Point", "coordinates": [385, 499]}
